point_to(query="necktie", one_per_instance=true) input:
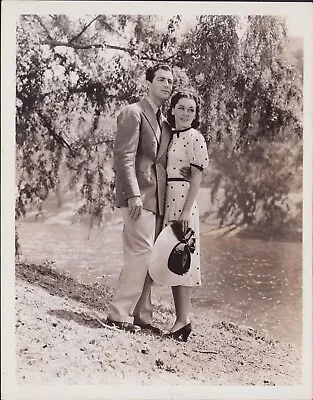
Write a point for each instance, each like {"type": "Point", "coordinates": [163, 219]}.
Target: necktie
{"type": "Point", "coordinates": [158, 117]}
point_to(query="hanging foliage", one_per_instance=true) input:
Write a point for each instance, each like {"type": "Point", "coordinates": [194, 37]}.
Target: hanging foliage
{"type": "Point", "coordinates": [73, 76]}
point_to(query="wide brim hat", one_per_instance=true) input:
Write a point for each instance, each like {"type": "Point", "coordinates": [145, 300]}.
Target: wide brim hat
{"type": "Point", "coordinates": [161, 267]}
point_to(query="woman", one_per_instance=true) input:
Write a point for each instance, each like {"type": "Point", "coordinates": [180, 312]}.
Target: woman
{"type": "Point", "coordinates": [187, 149]}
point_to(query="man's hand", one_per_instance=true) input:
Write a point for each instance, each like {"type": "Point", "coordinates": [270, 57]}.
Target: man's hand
{"type": "Point", "coordinates": [185, 172]}
{"type": "Point", "coordinates": [134, 206]}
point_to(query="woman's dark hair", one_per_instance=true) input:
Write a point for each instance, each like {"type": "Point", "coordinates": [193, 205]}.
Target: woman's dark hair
{"type": "Point", "coordinates": [184, 94]}
{"type": "Point", "coordinates": [150, 74]}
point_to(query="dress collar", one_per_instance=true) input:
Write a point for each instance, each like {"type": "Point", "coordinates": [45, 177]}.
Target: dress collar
{"type": "Point", "coordinates": [179, 131]}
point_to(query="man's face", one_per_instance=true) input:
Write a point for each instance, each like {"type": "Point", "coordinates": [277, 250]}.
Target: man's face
{"type": "Point", "coordinates": [162, 85]}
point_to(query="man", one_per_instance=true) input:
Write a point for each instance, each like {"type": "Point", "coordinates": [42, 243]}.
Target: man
{"type": "Point", "coordinates": [140, 151]}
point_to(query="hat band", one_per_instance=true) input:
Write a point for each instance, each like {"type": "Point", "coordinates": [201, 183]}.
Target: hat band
{"type": "Point", "coordinates": [177, 179]}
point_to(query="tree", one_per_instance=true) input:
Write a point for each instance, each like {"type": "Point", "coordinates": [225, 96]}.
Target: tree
{"type": "Point", "coordinates": [252, 111]}
{"type": "Point", "coordinates": [56, 96]}
{"type": "Point", "coordinates": [73, 75]}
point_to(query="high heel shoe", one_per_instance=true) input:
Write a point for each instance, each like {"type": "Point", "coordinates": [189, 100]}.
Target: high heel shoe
{"type": "Point", "coordinates": [183, 332]}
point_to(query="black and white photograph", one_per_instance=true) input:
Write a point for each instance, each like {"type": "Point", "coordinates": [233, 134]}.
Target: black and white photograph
{"type": "Point", "coordinates": [156, 200]}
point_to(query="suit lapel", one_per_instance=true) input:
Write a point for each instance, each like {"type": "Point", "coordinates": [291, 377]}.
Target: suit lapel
{"type": "Point", "coordinates": [166, 131]}
{"type": "Point", "coordinates": [150, 117]}
{"type": "Point", "coordinates": [165, 139]}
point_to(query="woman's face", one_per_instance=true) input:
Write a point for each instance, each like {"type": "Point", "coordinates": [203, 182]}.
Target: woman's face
{"type": "Point", "coordinates": [184, 113]}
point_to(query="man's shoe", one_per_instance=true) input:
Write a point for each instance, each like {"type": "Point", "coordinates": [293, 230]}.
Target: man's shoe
{"type": "Point", "coordinates": [125, 326]}
{"type": "Point", "coordinates": [151, 328]}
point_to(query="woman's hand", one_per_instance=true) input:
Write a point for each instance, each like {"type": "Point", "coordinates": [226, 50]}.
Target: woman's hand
{"type": "Point", "coordinates": [184, 219]}
{"type": "Point", "coordinates": [185, 172]}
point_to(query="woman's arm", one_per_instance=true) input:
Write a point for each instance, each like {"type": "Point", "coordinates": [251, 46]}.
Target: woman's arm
{"type": "Point", "coordinates": [196, 176]}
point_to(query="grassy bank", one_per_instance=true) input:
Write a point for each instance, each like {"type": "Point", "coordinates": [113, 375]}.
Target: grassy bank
{"type": "Point", "coordinates": [61, 339]}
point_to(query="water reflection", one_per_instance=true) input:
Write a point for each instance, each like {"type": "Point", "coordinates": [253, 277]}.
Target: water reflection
{"type": "Point", "coordinates": [251, 282]}
{"type": "Point", "coordinates": [260, 282]}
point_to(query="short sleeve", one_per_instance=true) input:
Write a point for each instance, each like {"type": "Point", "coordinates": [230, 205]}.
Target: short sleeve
{"type": "Point", "coordinates": [197, 151]}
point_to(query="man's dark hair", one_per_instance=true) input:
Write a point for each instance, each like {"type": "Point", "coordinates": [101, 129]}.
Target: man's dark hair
{"type": "Point", "coordinates": [150, 74]}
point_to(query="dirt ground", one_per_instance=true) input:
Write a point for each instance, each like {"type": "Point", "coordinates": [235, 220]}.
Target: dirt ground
{"type": "Point", "coordinates": [61, 339]}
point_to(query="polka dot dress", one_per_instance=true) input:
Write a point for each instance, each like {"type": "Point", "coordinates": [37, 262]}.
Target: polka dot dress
{"type": "Point", "coordinates": [187, 148]}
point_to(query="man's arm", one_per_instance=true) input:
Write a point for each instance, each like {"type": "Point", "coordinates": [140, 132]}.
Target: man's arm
{"type": "Point", "coordinates": [125, 152]}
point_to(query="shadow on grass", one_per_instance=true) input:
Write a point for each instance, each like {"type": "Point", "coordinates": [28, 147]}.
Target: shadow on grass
{"type": "Point", "coordinates": [80, 318]}
{"type": "Point", "coordinates": [94, 296]}
{"type": "Point", "coordinates": [60, 284]}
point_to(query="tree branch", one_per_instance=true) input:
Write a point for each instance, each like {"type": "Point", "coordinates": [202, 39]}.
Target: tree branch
{"type": "Point", "coordinates": [55, 43]}
{"type": "Point", "coordinates": [83, 30]}
{"type": "Point", "coordinates": [43, 26]}
{"type": "Point", "coordinates": [93, 145]}
{"type": "Point", "coordinates": [147, 57]}
{"type": "Point", "coordinates": [52, 132]}
{"type": "Point", "coordinates": [85, 89]}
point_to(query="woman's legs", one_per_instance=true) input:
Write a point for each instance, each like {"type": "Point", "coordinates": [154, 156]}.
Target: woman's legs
{"type": "Point", "coordinates": [182, 301]}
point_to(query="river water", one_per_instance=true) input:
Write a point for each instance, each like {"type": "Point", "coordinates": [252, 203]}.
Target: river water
{"type": "Point", "coordinates": [251, 282]}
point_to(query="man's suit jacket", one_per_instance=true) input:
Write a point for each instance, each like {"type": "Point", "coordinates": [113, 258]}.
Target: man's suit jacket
{"type": "Point", "coordinates": [139, 158]}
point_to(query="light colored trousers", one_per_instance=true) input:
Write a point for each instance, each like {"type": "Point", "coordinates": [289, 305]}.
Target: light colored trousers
{"type": "Point", "coordinates": [132, 298]}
